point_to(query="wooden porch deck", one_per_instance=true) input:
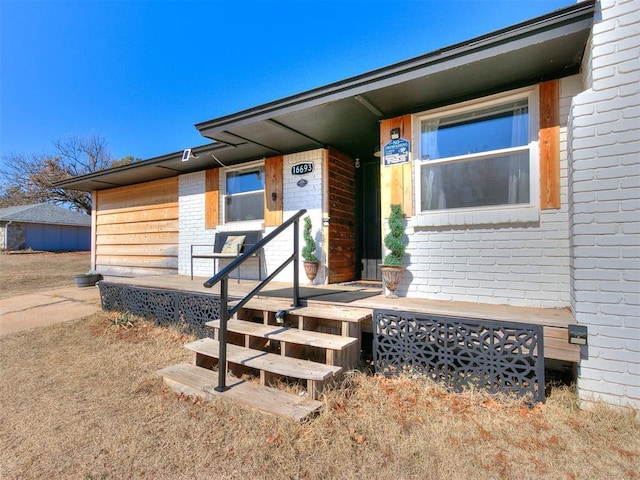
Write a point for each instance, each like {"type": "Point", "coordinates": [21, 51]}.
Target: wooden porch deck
{"type": "Point", "coordinates": [554, 321]}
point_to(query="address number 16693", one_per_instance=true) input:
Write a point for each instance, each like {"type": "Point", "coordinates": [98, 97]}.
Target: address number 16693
{"type": "Point", "coordinates": [302, 168]}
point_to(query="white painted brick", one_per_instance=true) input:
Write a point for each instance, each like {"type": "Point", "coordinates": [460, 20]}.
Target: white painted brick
{"type": "Point", "coordinates": [615, 58]}
{"type": "Point", "coordinates": [607, 367]}
{"type": "Point", "coordinates": [619, 355]}
{"type": "Point", "coordinates": [629, 92]}
{"type": "Point", "coordinates": [589, 374]}
{"type": "Point", "coordinates": [192, 231]}
{"type": "Point", "coordinates": [601, 390]}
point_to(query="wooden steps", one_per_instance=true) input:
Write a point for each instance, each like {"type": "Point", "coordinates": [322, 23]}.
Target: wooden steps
{"type": "Point", "coordinates": [270, 365]}
{"type": "Point", "coordinates": [311, 346]}
{"type": "Point", "coordinates": [325, 311]}
{"type": "Point", "coordinates": [334, 349]}
{"type": "Point", "coordinates": [200, 382]}
{"type": "Point", "coordinates": [322, 318]}
{"type": "Point", "coordinates": [259, 360]}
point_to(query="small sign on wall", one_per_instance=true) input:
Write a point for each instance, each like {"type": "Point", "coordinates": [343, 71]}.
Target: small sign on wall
{"type": "Point", "coordinates": [396, 152]}
{"type": "Point", "coordinates": [302, 168]}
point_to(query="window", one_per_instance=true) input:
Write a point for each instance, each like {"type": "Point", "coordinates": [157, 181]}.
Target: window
{"type": "Point", "coordinates": [244, 194]}
{"type": "Point", "coordinates": [476, 156]}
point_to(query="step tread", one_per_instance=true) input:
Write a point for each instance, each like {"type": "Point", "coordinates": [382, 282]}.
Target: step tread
{"type": "Point", "coordinates": [324, 311]}
{"type": "Point", "coordinates": [201, 382]}
{"type": "Point", "coordinates": [285, 334]}
{"type": "Point", "coordinates": [269, 362]}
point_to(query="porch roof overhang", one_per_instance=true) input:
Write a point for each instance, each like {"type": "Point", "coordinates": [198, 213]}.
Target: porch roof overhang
{"type": "Point", "coordinates": [345, 115]}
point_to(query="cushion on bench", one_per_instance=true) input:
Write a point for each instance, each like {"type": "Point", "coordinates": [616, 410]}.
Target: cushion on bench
{"type": "Point", "coordinates": [233, 244]}
{"type": "Point", "coordinates": [250, 239]}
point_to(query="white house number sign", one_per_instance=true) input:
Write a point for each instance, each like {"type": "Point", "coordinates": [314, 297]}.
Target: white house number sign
{"type": "Point", "coordinates": [302, 168]}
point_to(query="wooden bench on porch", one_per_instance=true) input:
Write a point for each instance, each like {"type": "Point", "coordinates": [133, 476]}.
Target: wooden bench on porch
{"type": "Point", "coordinates": [227, 245]}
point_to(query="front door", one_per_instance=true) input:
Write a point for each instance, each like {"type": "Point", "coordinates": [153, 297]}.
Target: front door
{"type": "Point", "coordinates": [368, 226]}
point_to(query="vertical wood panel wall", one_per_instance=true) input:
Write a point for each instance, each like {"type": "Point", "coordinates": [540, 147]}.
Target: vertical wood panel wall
{"type": "Point", "coordinates": [211, 197]}
{"type": "Point", "coordinates": [273, 191]}
{"type": "Point", "coordinates": [137, 229]}
{"type": "Point", "coordinates": [396, 181]}
{"type": "Point", "coordinates": [341, 209]}
{"type": "Point", "coordinates": [550, 145]}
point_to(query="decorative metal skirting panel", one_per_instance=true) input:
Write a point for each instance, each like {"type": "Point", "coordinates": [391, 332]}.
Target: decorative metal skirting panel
{"type": "Point", "coordinates": [188, 310]}
{"type": "Point", "coordinates": [498, 356]}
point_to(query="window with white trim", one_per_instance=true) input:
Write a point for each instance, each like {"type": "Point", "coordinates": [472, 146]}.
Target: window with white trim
{"type": "Point", "coordinates": [244, 194]}
{"type": "Point", "coordinates": [476, 156]}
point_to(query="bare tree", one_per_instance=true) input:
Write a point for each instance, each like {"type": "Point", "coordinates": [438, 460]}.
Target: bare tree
{"type": "Point", "coordinates": [30, 178]}
{"type": "Point", "coordinates": [13, 196]}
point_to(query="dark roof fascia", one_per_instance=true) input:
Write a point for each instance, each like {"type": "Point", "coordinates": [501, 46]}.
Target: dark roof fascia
{"type": "Point", "coordinates": [158, 162]}
{"type": "Point", "coordinates": [581, 11]}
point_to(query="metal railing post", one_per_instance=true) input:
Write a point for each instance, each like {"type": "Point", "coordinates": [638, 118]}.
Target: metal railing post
{"type": "Point", "coordinates": [223, 278]}
{"type": "Point", "coordinates": [296, 263]}
{"type": "Point", "coordinates": [224, 316]}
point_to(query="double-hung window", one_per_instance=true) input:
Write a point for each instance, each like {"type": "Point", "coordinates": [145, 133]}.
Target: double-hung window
{"type": "Point", "coordinates": [476, 156]}
{"type": "Point", "coordinates": [244, 194]}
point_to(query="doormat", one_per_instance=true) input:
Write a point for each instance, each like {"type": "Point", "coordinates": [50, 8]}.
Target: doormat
{"type": "Point", "coordinates": [363, 284]}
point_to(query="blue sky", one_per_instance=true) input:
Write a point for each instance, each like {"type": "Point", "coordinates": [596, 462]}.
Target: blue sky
{"type": "Point", "coordinates": [142, 73]}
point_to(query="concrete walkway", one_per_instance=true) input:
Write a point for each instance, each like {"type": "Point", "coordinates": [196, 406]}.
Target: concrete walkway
{"type": "Point", "coordinates": [40, 309]}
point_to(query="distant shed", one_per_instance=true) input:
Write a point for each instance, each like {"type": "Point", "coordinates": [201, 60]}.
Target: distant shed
{"type": "Point", "coordinates": [43, 226]}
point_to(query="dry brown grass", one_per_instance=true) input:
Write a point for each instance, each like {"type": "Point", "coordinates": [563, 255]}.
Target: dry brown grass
{"type": "Point", "coordinates": [27, 272]}
{"type": "Point", "coordinates": [82, 400]}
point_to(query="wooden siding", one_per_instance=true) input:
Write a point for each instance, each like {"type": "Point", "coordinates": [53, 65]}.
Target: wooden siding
{"type": "Point", "coordinates": [550, 145]}
{"type": "Point", "coordinates": [396, 181]}
{"type": "Point", "coordinates": [273, 191]}
{"type": "Point", "coordinates": [341, 209]}
{"type": "Point", "coordinates": [211, 198]}
{"type": "Point", "coordinates": [137, 229]}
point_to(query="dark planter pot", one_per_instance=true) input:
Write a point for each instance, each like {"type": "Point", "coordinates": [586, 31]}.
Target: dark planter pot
{"type": "Point", "coordinates": [87, 279]}
{"type": "Point", "coordinates": [311, 269]}
{"type": "Point", "coordinates": [391, 277]}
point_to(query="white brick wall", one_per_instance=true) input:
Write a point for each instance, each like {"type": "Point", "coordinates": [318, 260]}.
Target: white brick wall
{"type": "Point", "coordinates": [519, 264]}
{"type": "Point", "coordinates": [604, 147]}
{"type": "Point", "coordinates": [191, 223]}
{"type": "Point", "coordinates": [192, 231]}
{"type": "Point", "coordinates": [295, 198]}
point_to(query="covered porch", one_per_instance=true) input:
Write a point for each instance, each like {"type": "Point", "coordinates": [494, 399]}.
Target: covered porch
{"type": "Point", "coordinates": [335, 328]}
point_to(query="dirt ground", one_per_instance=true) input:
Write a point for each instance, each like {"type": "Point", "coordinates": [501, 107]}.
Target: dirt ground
{"type": "Point", "coordinates": [81, 400]}
{"type": "Point", "coordinates": [29, 272]}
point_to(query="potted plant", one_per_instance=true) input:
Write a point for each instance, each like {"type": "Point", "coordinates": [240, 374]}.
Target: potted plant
{"type": "Point", "coordinates": [392, 266]}
{"type": "Point", "coordinates": [88, 279]}
{"type": "Point", "coordinates": [311, 262]}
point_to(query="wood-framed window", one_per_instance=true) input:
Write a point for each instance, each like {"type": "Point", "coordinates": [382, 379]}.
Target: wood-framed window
{"type": "Point", "coordinates": [244, 193]}
{"type": "Point", "coordinates": [478, 156]}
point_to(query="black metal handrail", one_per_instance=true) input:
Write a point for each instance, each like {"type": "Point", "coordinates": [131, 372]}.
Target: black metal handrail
{"type": "Point", "coordinates": [223, 278]}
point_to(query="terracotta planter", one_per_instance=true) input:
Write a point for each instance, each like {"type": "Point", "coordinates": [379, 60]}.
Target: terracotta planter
{"type": "Point", "coordinates": [87, 279]}
{"type": "Point", "coordinates": [311, 269]}
{"type": "Point", "coordinates": [391, 277]}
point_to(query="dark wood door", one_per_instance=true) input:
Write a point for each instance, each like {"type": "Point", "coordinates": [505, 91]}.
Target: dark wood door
{"type": "Point", "coordinates": [368, 223]}
{"type": "Point", "coordinates": [341, 210]}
